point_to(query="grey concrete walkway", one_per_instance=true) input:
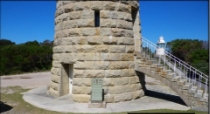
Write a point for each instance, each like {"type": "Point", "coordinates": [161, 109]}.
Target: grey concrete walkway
{"type": "Point", "coordinates": [39, 98]}
{"type": "Point", "coordinates": [159, 96]}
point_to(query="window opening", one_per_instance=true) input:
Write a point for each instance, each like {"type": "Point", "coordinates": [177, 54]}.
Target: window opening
{"type": "Point", "coordinates": [134, 13]}
{"type": "Point", "coordinates": [97, 18]}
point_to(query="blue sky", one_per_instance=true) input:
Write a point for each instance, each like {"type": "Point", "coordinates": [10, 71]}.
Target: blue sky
{"type": "Point", "coordinates": [174, 19]}
{"type": "Point", "coordinates": [23, 21]}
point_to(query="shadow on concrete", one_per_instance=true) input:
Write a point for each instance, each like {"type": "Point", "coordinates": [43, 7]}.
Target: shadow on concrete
{"type": "Point", "coordinates": [168, 97]}
{"type": "Point", "coordinates": [4, 107]}
{"type": "Point", "coordinates": [159, 95]}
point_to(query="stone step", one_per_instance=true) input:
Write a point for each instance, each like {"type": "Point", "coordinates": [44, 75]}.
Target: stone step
{"type": "Point", "coordinates": [153, 69]}
{"type": "Point", "coordinates": [163, 72]}
{"type": "Point", "coordinates": [168, 76]}
{"type": "Point", "coordinates": [159, 69]}
{"type": "Point", "coordinates": [205, 97]}
{"type": "Point", "coordinates": [187, 86]}
{"type": "Point", "coordinates": [147, 68]}
{"type": "Point", "coordinates": [138, 56]}
{"type": "Point", "coordinates": [185, 92]}
{"type": "Point", "coordinates": [168, 71]}
{"type": "Point", "coordinates": [148, 63]}
{"type": "Point", "coordinates": [153, 60]}
{"type": "Point", "coordinates": [143, 65]}
{"type": "Point", "coordinates": [175, 79]}
{"type": "Point", "coordinates": [181, 82]}
{"type": "Point", "coordinates": [165, 67]}
{"type": "Point", "coordinates": [199, 94]}
{"type": "Point", "coordinates": [147, 56]}
{"type": "Point", "coordinates": [154, 65]}
{"type": "Point", "coordinates": [140, 62]}
{"type": "Point", "coordinates": [160, 66]}
{"type": "Point", "coordinates": [171, 74]}
{"type": "Point", "coordinates": [143, 59]}
{"type": "Point", "coordinates": [193, 89]}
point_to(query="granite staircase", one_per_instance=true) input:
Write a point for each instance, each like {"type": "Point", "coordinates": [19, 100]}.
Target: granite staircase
{"type": "Point", "coordinates": [190, 86]}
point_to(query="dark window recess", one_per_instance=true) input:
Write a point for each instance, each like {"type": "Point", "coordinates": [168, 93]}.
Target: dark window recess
{"type": "Point", "coordinates": [134, 13]}
{"type": "Point", "coordinates": [97, 18]}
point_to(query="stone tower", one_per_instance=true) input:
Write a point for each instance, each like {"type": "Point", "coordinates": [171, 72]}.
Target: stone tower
{"type": "Point", "coordinates": [95, 39]}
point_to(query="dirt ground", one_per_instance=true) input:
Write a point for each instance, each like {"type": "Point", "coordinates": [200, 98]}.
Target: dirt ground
{"type": "Point", "coordinates": [26, 81]}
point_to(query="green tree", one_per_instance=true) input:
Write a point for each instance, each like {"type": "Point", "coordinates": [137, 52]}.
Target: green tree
{"type": "Point", "coordinates": [5, 42]}
{"type": "Point", "coordinates": [27, 57]}
{"type": "Point", "coordinates": [194, 52]}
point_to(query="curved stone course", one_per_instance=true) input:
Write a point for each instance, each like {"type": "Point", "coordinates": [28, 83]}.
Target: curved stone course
{"type": "Point", "coordinates": [96, 52]}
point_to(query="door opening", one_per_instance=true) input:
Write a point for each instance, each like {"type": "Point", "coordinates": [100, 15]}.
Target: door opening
{"type": "Point", "coordinates": [66, 79]}
{"type": "Point", "coordinates": [70, 78]}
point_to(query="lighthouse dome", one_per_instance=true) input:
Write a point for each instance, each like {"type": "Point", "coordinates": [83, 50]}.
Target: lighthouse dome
{"type": "Point", "coordinates": [161, 39]}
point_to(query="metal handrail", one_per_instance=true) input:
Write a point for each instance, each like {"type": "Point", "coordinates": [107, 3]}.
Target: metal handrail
{"type": "Point", "coordinates": [175, 57]}
{"type": "Point", "coordinates": [183, 66]}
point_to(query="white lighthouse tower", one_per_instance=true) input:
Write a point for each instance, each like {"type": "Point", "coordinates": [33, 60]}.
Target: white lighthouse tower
{"type": "Point", "coordinates": [161, 46]}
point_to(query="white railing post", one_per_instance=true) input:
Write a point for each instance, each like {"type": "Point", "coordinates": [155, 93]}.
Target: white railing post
{"type": "Point", "coordinates": [200, 80]}
{"type": "Point", "coordinates": [180, 73]}
{"type": "Point", "coordinates": [193, 73]}
{"type": "Point", "coordinates": [167, 63]}
{"type": "Point", "coordinates": [174, 68]}
{"type": "Point", "coordinates": [186, 74]}
{"type": "Point", "coordinates": [159, 59]}
{"type": "Point", "coordinates": [206, 86]}
{"type": "Point", "coordinates": [164, 62]}
{"type": "Point", "coordinates": [190, 75]}
{"type": "Point", "coordinates": [170, 63]}
{"type": "Point", "coordinates": [145, 51]}
{"type": "Point", "coordinates": [149, 52]}
{"type": "Point", "coordinates": [195, 79]}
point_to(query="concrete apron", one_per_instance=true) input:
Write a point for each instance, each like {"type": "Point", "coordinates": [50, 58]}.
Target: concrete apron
{"type": "Point", "coordinates": [39, 98]}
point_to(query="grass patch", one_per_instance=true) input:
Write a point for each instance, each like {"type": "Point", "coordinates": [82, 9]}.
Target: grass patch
{"type": "Point", "coordinates": [35, 71]}
{"type": "Point", "coordinates": [170, 111]}
{"type": "Point", "coordinates": [17, 103]}
{"type": "Point", "coordinates": [12, 96]}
